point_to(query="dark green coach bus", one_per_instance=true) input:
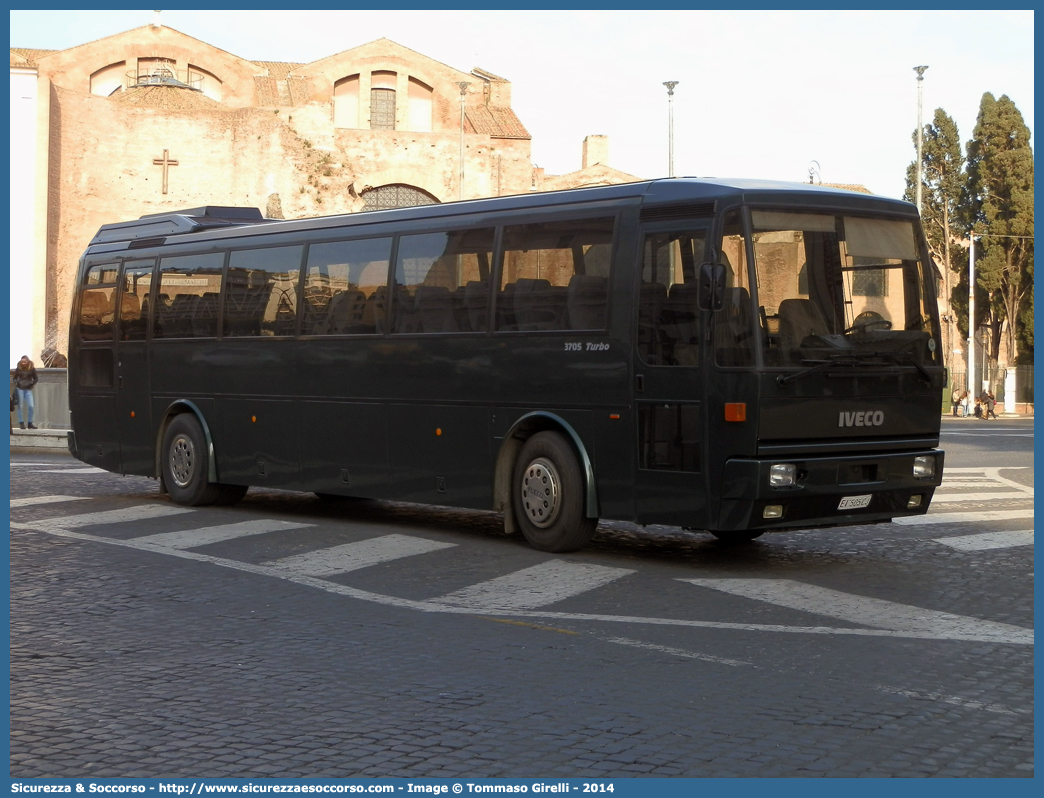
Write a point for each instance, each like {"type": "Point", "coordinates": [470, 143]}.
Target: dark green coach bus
{"type": "Point", "coordinates": [728, 356]}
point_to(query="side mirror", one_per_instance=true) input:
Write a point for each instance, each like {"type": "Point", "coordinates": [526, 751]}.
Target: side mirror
{"type": "Point", "coordinates": [712, 286]}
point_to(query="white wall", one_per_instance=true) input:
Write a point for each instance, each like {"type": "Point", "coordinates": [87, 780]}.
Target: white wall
{"type": "Point", "coordinates": [27, 323]}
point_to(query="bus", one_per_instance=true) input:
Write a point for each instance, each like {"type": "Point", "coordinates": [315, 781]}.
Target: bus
{"type": "Point", "coordinates": [731, 356]}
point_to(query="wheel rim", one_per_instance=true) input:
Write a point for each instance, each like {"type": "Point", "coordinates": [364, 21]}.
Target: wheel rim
{"type": "Point", "coordinates": [182, 460]}
{"type": "Point", "coordinates": [540, 494]}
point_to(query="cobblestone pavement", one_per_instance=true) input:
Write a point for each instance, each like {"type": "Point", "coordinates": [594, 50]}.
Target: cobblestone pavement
{"type": "Point", "coordinates": [286, 636]}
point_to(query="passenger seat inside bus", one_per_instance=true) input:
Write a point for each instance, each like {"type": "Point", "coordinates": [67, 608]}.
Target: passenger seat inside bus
{"type": "Point", "coordinates": [476, 305]}
{"type": "Point", "coordinates": [680, 320]}
{"type": "Point", "coordinates": [539, 305]}
{"type": "Point", "coordinates": [798, 319]}
{"type": "Point", "coordinates": [586, 302]}
{"type": "Point", "coordinates": [733, 332]}
{"type": "Point", "coordinates": [433, 309]}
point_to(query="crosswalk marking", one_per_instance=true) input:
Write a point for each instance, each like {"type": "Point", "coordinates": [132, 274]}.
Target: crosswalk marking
{"type": "Point", "coordinates": [191, 538]}
{"type": "Point", "coordinates": [1022, 637]}
{"type": "Point", "coordinates": [960, 518]}
{"type": "Point", "coordinates": [29, 501]}
{"type": "Point", "coordinates": [981, 469]}
{"type": "Point", "coordinates": [141, 512]}
{"type": "Point", "coordinates": [538, 586]}
{"type": "Point", "coordinates": [874, 612]}
{"type": "Point", "coordinates": [353, 556]}
{"type": "Point", "coordinates": [946, 498]}
{"type": "Point", "coordinates": [989, 540]}
{"type": "Point", "coordinates": [983, 477]}
{"type": "Point", "coordinates": [85, 470]}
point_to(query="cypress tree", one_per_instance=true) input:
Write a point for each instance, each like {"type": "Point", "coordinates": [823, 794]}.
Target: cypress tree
{"type": "Point", "coordinates": [1000, 200]}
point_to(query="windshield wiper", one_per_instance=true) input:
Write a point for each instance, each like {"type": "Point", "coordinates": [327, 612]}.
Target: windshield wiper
{"type": "Point", "coordinates": [820, 365]}
{"type": "Point", "coordinates": [899, 356]}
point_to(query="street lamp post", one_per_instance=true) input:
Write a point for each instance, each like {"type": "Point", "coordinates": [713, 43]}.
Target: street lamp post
{"type": "Point", "coordinates": [670, 84]}
{"type": "Point", "coordinates": [920, 79]}
{"type": "Point", "coordinates": [971, 318]}
{"type": "Point", "coordinates": [463, 84]}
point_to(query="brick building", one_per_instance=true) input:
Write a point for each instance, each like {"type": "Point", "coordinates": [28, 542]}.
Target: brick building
{"type": "Point", "coordinates": [153, 120]}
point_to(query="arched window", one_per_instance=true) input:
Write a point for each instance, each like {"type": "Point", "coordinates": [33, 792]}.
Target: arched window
{"type": "Point", "coordinates": [346, 102]}
{"type": "Point", "coordinates": [108, 79]}
{"type": "Point", "coordinates": [382, 100]}
{"type": "Point", "coordinates": [420, 106]}
{"type": "Point", "coordinates": [396, 195]}
{"type": "Point", "coordinates": [204, 81]}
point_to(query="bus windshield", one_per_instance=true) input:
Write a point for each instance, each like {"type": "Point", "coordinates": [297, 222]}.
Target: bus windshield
{"type": "Point", "coordinates": [840, 288]}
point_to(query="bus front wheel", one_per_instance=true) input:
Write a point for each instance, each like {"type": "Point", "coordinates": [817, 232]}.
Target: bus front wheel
{"type": "Point", "coordinates": [185, 466]}
{"type": "Point", "coordinates": [549, 495]}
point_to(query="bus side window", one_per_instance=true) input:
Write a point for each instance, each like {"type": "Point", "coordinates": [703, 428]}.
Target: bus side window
{"type": "Point", "coordinates": [98, 303]}
{"type": "Point", "coordinates": [189, 285]}
{"type": "Point", "coordinates": [134, 301]}
{"type": "Point", "coordinates": [555, 276]}
{"type": "Point", "coordinates": [442, 282]}
{"type": "Point", "coordinates": [668, 313]}
{"type": "Point", "coordinates": [345, 284]}
{"type": "Point", "coordinates": [261, 291]}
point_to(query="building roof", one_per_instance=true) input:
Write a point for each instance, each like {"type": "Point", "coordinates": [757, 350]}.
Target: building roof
{"type": "Point", "coordinates": [596, 175]}
{"type": "Point", "coordinates": [850, 187]}
{"type": "Point", "coordinates": [494, 121]}
{"type": "Point", "coordinates": [27, 56]}
{"type": "Point", "coordinates": [168, 98]}
{"type": "Point", "coordinates": [278, 69]}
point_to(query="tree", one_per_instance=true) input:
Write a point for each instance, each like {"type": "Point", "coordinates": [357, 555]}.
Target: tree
{"type": "Point", "coordinates": [942, 193]}
{"type": "Point", "coordinates": [1000, 198]}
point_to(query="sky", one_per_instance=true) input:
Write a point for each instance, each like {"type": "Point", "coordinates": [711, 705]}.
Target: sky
{"type": "Point", "coordinates": [761, 94]}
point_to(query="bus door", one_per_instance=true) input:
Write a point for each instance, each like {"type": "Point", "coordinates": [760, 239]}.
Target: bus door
{"type": "Point", "coordinates": [133, 405]}
{"type": "Point", "coordinates": [670, 483]}
{"type": "Point", "coordinates": [731, 389]}
{"type": "Point", "coordinates": [92, 386]}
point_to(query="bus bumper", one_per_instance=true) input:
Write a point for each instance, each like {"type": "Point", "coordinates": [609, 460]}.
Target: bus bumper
{"type": "Point", "coordinates": [829, 491]}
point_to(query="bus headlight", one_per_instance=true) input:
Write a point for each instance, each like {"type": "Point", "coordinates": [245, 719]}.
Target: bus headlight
{"type": "Point", "coordinates": [924, 466]}
{"type": "Point", "coordinates": [782, 475]}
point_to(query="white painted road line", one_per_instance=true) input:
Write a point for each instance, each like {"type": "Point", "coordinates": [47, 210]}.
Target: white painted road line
{"type": "Point", "coordinates": [537, 586]}
{"type": "Point", "coordinates": [353, 556]}
{"type": "Point", "coordinates": [676, 652]}
{"type": "Point", "coordinates": [34, 500]}
{"type": "Point", "coordinates": [204, 536]}
{"type": "Point", "coordinates": [1023, 638]}
{"type": "Point", "coordinates": [86, 470]}
{"type": "Point", "coordinates": [989, 540]}
{"type": "Point", "coordinates": [982, 469]}
{"type": "Point", "coordinates": [964, 518]}
{"type": "Point", "coordinates": [142, 512]}
{"type": "Point", "coordinates": [30, 464]}
{"type": "Point", "coordinates": [956, 701]}
{"type": "Point", "coordinates": [979, 497]}
{"type": "Point", "coordinates": [991, 434]}
{"type": "Point", "coordinates": [864, 610]}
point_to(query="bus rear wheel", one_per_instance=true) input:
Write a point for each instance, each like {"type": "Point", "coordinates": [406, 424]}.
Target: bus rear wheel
{"type": "Point", "coordinates": [184, 466]}
{"type": "Point", "coordinates": [549, 495]}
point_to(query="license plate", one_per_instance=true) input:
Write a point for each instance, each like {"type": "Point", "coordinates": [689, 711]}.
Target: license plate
{"type": "Point", "coordinates": [855, 502]}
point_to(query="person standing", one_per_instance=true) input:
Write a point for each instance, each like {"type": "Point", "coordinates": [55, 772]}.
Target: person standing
{"type": "Point", "coordinates": [25, 378]}
{"type": "Point", "coordinates": [955, 400]}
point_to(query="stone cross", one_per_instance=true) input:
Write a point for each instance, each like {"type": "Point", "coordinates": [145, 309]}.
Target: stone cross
{"type": "Point", "coordinates": [165, 162]}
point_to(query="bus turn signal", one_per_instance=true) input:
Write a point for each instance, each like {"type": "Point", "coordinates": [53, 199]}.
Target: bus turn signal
{"type": "Point", "coordinates": [735, 411]}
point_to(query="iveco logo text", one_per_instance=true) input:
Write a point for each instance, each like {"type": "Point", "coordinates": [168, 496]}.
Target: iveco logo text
{"type": "Point", "coordinates": [864, 418]}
